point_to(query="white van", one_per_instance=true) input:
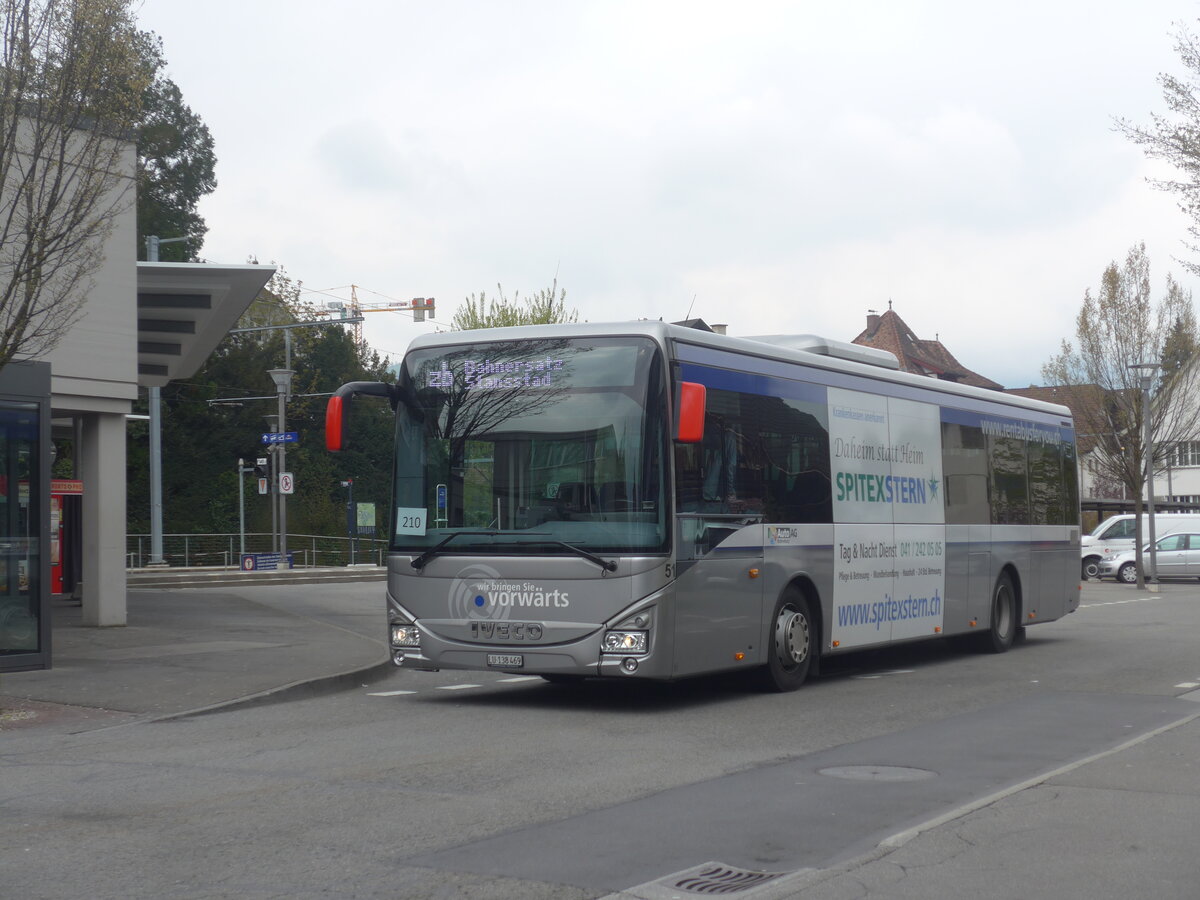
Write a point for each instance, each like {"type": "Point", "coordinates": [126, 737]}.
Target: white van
{"type": "Point", "coordinates": [1116, 534]}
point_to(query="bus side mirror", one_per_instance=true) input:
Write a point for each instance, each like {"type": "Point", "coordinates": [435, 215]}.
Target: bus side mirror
{"type": "Point", "coordinates": [690, 427]}
{"type": "Point", "coordinates": [339, 408]}
{"type": "Point", "coordinates": [335, 418]}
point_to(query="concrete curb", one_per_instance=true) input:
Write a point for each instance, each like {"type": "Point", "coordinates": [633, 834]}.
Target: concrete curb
{"type": "Point", "coordinates": [191, 578]}
{"type": "Point", "coordinates": [297, 690]}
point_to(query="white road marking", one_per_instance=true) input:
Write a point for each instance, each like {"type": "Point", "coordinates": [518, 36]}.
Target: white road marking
{"type": "Point", "coordinates": [512, 679]}
{"type": "Point", "coordinates": [1116, 602]}
{"type": "Point", "coordinates": [1189, 685]}
{"type": "Point", "coordinates": [885, 674]}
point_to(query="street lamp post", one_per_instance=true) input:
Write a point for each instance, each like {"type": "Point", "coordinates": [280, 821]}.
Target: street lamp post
{"type": "Point", "coordinates": [283, 387]}
{"type": "Point", "coordinates": [272, 485]}
{"type": "Point", "coordinates": [1146, 376]}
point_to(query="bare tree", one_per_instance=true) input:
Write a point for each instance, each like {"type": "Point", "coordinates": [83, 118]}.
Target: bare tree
{"type": "Point", "coordinates": [1175, 137]}
{"type": "Point", "coordinates": [1117, 328]}
{"type": "Point", "coordinates": [547, 307]}
{"type": "Point", "coordinates": [71, 82]}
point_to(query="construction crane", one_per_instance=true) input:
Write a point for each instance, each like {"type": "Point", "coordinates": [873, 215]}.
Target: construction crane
{"type": "Point", "coordinates": [354, 309]}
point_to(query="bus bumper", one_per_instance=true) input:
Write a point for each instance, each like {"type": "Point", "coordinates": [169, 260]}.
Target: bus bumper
{"type": "Point", "coordinates": [582, 658]}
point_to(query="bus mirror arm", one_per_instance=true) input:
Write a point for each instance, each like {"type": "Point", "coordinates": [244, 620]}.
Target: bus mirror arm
{"type": "Point", "coordinates": [339, 408]}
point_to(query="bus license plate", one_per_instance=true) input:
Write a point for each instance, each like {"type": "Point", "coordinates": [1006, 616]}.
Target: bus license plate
{"type": "Point", "coordinates": [506, 660]}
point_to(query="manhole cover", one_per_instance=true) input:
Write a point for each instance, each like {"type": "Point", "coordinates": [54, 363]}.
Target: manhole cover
{"type": "Point", "coordinates": [878, 773]}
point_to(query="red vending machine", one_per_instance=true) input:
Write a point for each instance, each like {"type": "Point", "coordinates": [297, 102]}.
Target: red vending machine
{"type": "Point", "coordinates": [65, 497]}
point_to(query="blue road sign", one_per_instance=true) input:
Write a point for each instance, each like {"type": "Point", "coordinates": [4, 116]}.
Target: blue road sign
{"type": "Point", "coordinates": [281, 437]}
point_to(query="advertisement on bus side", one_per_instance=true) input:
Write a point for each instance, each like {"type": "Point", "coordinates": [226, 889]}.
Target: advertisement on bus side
{"type": "Point", "coordinates": [889, 518]}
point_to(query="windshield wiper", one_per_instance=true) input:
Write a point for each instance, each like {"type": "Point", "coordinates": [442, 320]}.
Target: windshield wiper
{"type": "Point", "coordinates": [608, 565]}
{"type": "Point", "coordinates": [421, 561]}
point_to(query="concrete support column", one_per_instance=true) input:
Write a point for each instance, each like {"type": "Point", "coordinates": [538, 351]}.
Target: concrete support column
{"type": "Point", "coordinates": [103, 470]}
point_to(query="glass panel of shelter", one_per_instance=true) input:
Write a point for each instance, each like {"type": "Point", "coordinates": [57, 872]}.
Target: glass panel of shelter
{"type": "Point", "coordinates": [19, 527]}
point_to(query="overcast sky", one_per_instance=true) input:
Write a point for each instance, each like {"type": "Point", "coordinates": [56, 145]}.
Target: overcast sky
{"type": "Point", "coordinates": [780, 167]}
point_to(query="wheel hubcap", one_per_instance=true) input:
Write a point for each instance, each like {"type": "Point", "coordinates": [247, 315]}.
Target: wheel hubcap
{"type": "Point", "coordinates": [791, 637]}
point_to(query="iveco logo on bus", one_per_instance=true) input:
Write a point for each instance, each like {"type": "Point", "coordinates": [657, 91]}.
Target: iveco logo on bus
{"type": "Point", "coordinates": [506, 631]}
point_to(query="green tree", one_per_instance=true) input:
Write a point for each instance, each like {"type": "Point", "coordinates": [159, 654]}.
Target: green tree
{"type": "Point", "coordinates": [546, 307]}
{"type": "Point", "coordinates": [175, 162]}
{"type": "Point", "coordinates": [1116, 328]}
{"type": "Point", "coordinates": [71, 81]}
{"type": "Point", "coordinates": [1175, 136]}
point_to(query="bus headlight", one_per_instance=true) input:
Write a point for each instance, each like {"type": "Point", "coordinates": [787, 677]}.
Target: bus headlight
{"type": "Point", "coordinates": [625, 642]}
{"type": "Point", "coordinates": [405, 636]}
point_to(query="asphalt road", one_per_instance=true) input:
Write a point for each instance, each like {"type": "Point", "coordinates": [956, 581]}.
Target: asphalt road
{"type": "Point", "coordinates": [477, 785]}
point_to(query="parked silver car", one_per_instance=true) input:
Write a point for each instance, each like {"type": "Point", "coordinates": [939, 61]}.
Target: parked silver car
{"type": "Point", "coordinates": [1176, 555]}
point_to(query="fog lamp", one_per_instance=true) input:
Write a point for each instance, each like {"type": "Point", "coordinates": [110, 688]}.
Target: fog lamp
{"type": "Point", "coordinates": [629, 665]}
{"type": "Point", "coordinates": [625, 642]}
{"type": "Point", "coordinates": [405, 636]}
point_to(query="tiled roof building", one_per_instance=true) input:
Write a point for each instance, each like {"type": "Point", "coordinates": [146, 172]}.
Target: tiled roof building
{"type": "Point", "coordinates": [920, 357]}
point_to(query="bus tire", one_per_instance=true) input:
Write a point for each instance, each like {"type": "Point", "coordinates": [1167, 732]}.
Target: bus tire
{"type": "Point", "coordinates": [791, 645]}
{"type": "Point", "coordinates": [1002, 629]}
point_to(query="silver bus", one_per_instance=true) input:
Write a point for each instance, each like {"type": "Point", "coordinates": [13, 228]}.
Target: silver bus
{"type": "Point", "coordinates": [646, 500]}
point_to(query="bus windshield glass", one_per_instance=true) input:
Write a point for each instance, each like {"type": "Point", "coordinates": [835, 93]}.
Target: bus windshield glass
{"type": "Point", "coordinates": [542, 446]}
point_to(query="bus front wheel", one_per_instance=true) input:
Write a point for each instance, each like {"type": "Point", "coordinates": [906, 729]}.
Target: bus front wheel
{"type": "Point", "coordinates": [1002, 629]}
{"type": "Point", "coordinates": [792, 644]}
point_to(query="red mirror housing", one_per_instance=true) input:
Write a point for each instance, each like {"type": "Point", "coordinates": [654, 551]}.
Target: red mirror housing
{"type": "Point", "coordinates": [692, 398]}
{"type": "Point", "coordinates": [339, 407]}
{"type": "Point", "coordinates": [334, 419]}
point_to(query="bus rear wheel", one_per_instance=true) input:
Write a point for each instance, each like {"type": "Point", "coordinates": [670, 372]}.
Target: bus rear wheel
{"type": "Point", "coordinates": [792, 644]}
{"type": "Point", "coordinates": [1002, 629]}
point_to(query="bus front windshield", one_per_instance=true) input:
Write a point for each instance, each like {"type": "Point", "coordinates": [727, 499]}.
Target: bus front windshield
{"type": "Point", "coordinates": [540, 446]}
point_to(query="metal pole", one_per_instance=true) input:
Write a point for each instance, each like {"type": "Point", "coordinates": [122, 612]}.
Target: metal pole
{"type": "Point", "coordinates": [156, 511]}
{"type": "Point", "coordinates": [349, 486]}
{"type": "Point", "coordinates": [282, 496]}
{"type": "Point", "coordinates": [156, 505]}
{"type": "Point", "coordinates": [156, 526]}
{"type": "Point", "coordinates": [283, 385]}
{"type": "Point", "coordinates": [241, 509]}
{"type": "Point", "coordinates": [283, 396]}
{"type": "Point", "coordinates": [1147, 382]}
{"type": "Point", "coordinates": [272, 485]}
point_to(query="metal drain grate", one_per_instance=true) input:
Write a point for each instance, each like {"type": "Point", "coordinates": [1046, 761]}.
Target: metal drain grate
{"type": "Point", "coordinates": [715, 879]}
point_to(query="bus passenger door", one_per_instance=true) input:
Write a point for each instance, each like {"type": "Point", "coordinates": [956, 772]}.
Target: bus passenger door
{"type": "Point", "coordinates": [718, 599]}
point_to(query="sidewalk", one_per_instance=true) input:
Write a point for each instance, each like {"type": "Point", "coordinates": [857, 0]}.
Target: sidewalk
{"type": "Point", "coordinates": [1119, 824]}
{"type": "Point", "coordinates": [230, 638]}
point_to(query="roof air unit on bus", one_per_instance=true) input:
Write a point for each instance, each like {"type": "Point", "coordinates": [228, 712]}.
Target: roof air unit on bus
{"type": "Point", "coordinates": [811, 343]}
